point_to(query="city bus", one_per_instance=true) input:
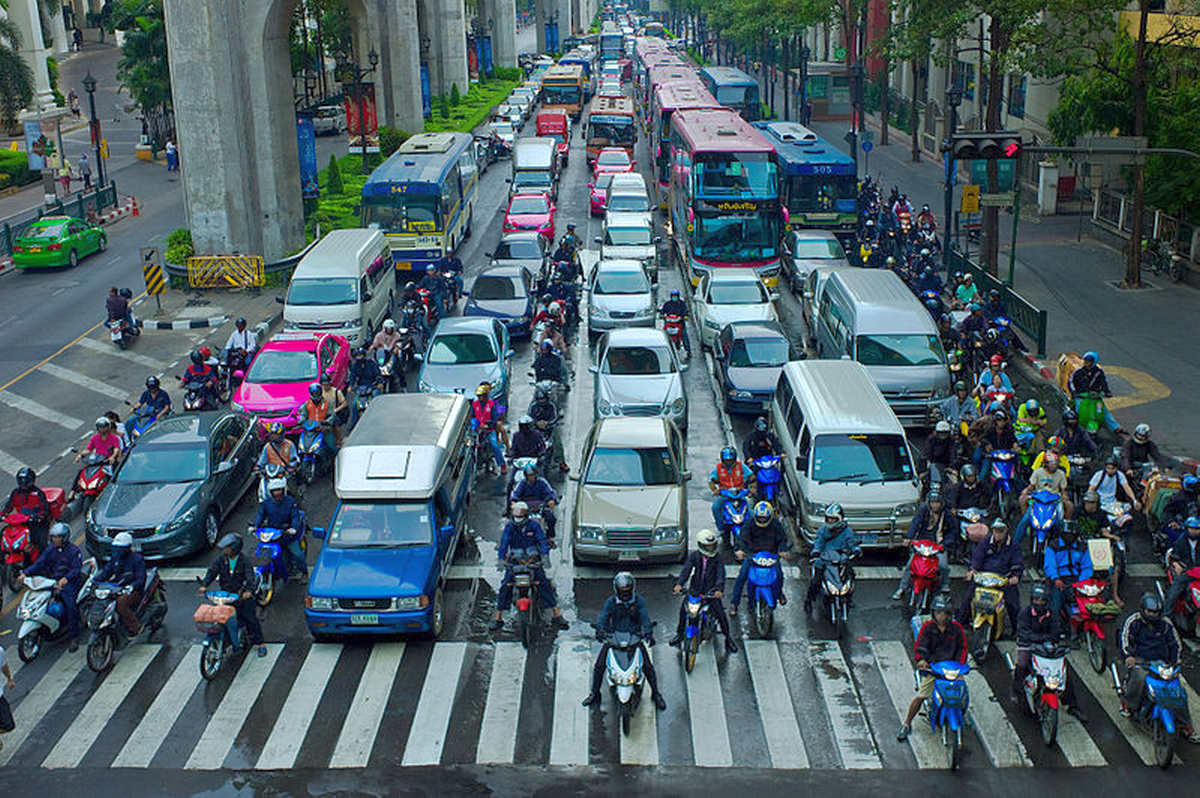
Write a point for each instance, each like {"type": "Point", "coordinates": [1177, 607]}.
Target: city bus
{"type": "Point", "coordinates": [423, 199]}
{"type": "Point", "coordinates": [585, 61]}
{"type": "Point", "coordinates": [819, 182]}
{"type": "Point", "coordinates": [734, 89]}
{"type": "Point", "coordinates": [562, 87]}
{"type": "Point", "coordinates": [660, 62]}
{"type": "Point", "coordinates": [612, 42]}
{"type": "Point", "coordinates": [654, 30]}
{"type": "Point", "coordinates": [610, 124]}
{"type": "Point", "coordinates": [724, 203]}
{"type": "Point", "coordinates": [669, 98]}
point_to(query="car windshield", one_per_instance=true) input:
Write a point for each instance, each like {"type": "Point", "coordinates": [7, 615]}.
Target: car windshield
{"type": "Point", "coordinates": [744, 293]}
{"type": "Point", "coordinates": [819, 250]}
{"type": "Point", "coordinates": [627, 236]}
{"type": "Point", "coordinates": [631, 467]}
{"type": "Point", "coordinates": [622, 282]}
{"type": "Point", "coordinates": [900, 350]}
{"type": "Point", "coordinates": [629, 202]}
{"type": "Point", "coordinates": [360, 525]}
{"type": "Point", "coordinates": [323, 291]}
{"type": "Point", "coordinates": [164, 463]}
{"type": "Point", "coordinates": [496, 287]}
{"type": "Point", "coordinates": [461, 349]}
{"type": "Point", "coordinates": [638, 360]}
{"type": "Point", "coordinates": [758, 353]}
{"type": "Point", "coordinates": [612, 158]}
{"type": "Point", "coordinates": [47, 232]}
{"type": "Point", "coordinates": [861, 458]}
{"type": "Point", "coordinates": [283, 365]}
{"type": "Point", "coordinates": [526, 249]}
{"type": "Point", "coordinates": [528, 205]}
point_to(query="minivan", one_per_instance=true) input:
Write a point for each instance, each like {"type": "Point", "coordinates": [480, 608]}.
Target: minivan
{"type": "Point", "coordinates": [870, 316]}
{"type": "Point", "coordinates": [842, 443]}
{"type": "Point", "coordinates": [346, 283]}
{"type": "Point", "coordinates": [535, 166]}
{"type": "Point", "coordinates": [402, 480]}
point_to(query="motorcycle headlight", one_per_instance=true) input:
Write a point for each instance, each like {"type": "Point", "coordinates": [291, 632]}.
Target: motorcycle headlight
{"type": "Point", "coordinates": [1052, 682]}
{"type": "Point", "coordinates": [179, 522]}
{"type": "Point", "coordinates": [950, 674]}
{"type": "Point", "coordinates": [591, 534]}
{"type": "Point", "coordinates": [677, 407]}
{"type": "Point", "coordinates": [238, 407]}
{"type": "Point", "coordinates": [319, 602]}
{"type": "Point", "coordinates": [667, 534]}
{"type": "Point", "coordinates": [736, 394]}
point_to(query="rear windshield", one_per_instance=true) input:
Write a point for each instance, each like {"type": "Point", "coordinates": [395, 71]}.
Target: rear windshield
{"type": "Point", "coordinates": [861, 458]}
{"type": "Point", "coordinates": [818, 250]}
{"type": "Point", "coordinates": [747, 293]}
{"type": "Point", "coordinates": [527, 249]}
{"type": "Point", "coordinates": [495, 287]}
{"type": "Point", "coordinates": [629, 202]}
{"type": "Point", "coordinates": [758, 353]}
{"type": "Point", "coordinates": [631, 467]}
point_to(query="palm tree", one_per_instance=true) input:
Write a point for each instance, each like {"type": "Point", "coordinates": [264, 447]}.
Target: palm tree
{"type": "Point", "coordinates": [16, 78]}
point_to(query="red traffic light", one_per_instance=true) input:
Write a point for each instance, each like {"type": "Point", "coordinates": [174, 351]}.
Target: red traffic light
{"type": "Point", "coordinates": [1011, 150]}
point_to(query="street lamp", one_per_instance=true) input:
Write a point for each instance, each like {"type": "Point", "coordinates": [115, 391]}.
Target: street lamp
{"type": "Point", "coordinates": [856, 102]}
{"type": "Point", "coordinates": [953, 98]}
{"type": "Point", "coordinates": [805, 116]}
{"type": "Point", "coordinates": [89, 84]}
{"type": "Point", "coordinates": [359, 73]}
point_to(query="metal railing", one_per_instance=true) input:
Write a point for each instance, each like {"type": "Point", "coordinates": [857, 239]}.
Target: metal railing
{"type": "Point", "coordinates": [1114, 212]}
{"type": "Point", "coordinates": [83, 205]}
{"type": "Point", "coordinates": [1028, 318]}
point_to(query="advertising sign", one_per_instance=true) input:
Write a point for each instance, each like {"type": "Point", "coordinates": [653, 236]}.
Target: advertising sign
{"type": "Point", "coordinates": [368, 125]}
{"type": "Point", "coordinates": [306, 146]}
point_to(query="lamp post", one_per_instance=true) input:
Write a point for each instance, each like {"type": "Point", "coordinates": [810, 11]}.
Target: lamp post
{"type": "Point", "coordinates": [359, 73]}
{"type": "Point", "coordinates": [89, 84]}
{"type": "Point", "coordinates": [953, 99]}
{"type": "Point", "coordinates": [856, 102]}
{"type": "Point", "coordinates": [805, 116]}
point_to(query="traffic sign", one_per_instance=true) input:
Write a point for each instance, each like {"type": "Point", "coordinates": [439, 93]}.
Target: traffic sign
{"type": "Point", "coordinates": [970, 198]}
{"type": "Point", "coordinates": [867, 145]}
{"type": "Point", "coordinates": [1002, 200]}
{"type": "Point", "coordinates": [152, 271]}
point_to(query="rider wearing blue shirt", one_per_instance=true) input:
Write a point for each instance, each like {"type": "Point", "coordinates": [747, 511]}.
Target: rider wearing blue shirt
{"type": "Point", "coordinates": [523, 538]}
{"type": "Point", "coordinates": [281, 511]}
{"type": "Point", "coordinates": [834, 535]}
{"type": "Point", "coordinates": [63, 562]}
{"type": "Point", "coordinates": [154, 398]}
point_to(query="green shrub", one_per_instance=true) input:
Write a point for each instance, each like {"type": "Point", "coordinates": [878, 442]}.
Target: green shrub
{"type": "Point", "coordinates": [507, 73]}
{"type": "Point", "coordinates": [444, 106]}
{"type": "Point", "coordinates": [390, 139]}
{"type": "Point", "coordinates": [14, 169]}
{"type": "Point", "coordinates": [333, 176]}
{"type": "Point", "coordinates": [179, 246]}
{"type": "Point", "coordinates": [455, 96]}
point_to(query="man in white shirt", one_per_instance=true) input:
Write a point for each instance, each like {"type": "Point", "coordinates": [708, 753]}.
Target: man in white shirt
{"type": "Point", "coordinates": [242, 341]}
{"type": "Point", "coordinates": [6, 719]}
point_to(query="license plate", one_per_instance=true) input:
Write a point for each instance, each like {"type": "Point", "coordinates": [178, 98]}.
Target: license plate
{"type": "Point", "coordinates": [35, 249]}
{"type": "Point", "coordinates": [867, 537]}
{"type": "Point", "coordinates": [628, 556]}
{"type": "Point", "coordinates": [404, 264]}
{"type": "Point", "coordinates": [364, 620]}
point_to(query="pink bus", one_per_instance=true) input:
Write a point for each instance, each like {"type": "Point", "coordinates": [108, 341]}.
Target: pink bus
{"type": "Point", "coordinates": [669, 98]}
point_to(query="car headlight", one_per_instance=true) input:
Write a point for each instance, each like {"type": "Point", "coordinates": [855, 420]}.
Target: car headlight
{"type": "Point", "coordinates": [180, 522]}
{"type": "Point", "coordinates": [647, 311]}
{"type": "Point", "coordinates": [667, 534]}
{"type": "Point", "coordinates": [591, 534]}
{"type": "Point", "coordinates": [599, 313]}
{"type": "Point", "coordinates": [238, 407]}
{"type": "Point", "coordinates": [318, 602]}
{"type": "Point", "coordinates": [604, 407]}
{"type": "Point", "coordinates": [906, 509]}
{"type": "Point", "coordinates": [734, 393]}
{"type": "Point", "coordinates": [678, 406]}
{"type": "Point", "coordinates": [403, 603]}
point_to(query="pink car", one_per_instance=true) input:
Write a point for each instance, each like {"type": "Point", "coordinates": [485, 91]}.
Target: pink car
{"type": "Point", "coordinates": [598, 198]}
{"type": "Point", "coordinates": [613, 160]}
{"type": "Point", "coordinates": [278, 378]}
{"type": "Point", "coordinates": [530, 212]}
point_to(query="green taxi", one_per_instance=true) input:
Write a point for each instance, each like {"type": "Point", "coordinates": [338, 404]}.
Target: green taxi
{"type": "Point", "coordinates": [57, 241]}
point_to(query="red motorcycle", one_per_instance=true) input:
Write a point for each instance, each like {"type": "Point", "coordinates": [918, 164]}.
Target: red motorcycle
{"type": "Point", "coordinates": [1186, 612]}
{"type": "Point", "coordinates": [924, 572]}
{"type": "Point", "coordinates": [1087, 613]}
{"type": "Point", "coordinates": [91, 481]}
{"type": "Point", "coordinates": [17, 545]}
{"type": "Point", "coordinates": [430, 306]}
{"type": "Point", "coordinates": [673, 327]}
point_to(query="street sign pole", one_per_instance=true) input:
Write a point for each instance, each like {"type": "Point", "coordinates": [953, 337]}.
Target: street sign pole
{"type": "Point", "coordinates": [1012, 248]}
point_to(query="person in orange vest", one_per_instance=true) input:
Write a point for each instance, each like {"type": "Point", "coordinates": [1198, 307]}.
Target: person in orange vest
{"type": "Point", "coordinates": [317, 408]}
{"type": "Point", "coordinates": [728, 475]}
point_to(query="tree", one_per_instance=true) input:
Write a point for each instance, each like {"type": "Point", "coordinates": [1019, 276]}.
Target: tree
{"type": "Point", "coordinates": [143, 68]}
{"type": "Point", "coordinates": [16, 78]}
{"type": "Point", "coordinates": [336, 186]}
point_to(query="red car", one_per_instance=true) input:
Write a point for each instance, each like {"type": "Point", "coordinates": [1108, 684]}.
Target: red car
{"type": "Point", "coordinates": [613, 160]}
{"type": "Point", "coordinates": [598, 198]}
{"type": "Point", "coordinates": [530, 212]}
{"type": "Point", "coordinates": [278, 378]}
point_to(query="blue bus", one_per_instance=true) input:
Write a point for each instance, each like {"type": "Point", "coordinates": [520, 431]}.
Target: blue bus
{"type": "Point", "coordinates": [734, 89]}
{"type": "Point", "coordinates": [820, 188]}
{"type": "Point", "coordinates": [423, 198]}
{"type": "Point", "coordinates": [612, 42]}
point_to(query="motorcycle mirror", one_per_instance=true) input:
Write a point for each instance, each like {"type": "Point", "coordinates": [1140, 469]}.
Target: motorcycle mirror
{"type": "Point", "coordinates": [447, 529]}
{"type": "Point", "coordinates": [594, 368]}
{"type": "Point", "coordinates": [573, 476]}
{"type": "Point", "coordinates": [279, 299]}
{"type": "Point", "coordinates": [224, 466]}
{"type": "Point", "coordinates": [598, 240]}
{"type": "Point", "coordinates": [418, 356]}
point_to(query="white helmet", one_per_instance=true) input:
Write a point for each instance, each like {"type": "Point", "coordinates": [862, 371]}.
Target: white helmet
{"type": "Point", "coordinates": [706, 542]}
{"type": "Point", "coordinates": [123, 540]}
{"type": "Point", "coordinates": [277, 483]}
{"type": "Point", "coordinates": [389, 325]}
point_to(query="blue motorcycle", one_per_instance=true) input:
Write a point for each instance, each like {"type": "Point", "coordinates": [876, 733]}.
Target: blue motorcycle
{"type": "Point", "coordinates": [948, 705]}
{"type": "Point", "coordinates": [1164, 699]}
{"type": "Point", "coordinates": [767, 477]}
{"type": "Point", "coordinates": [214, 620]}
{"type": "Point", "coordinates": [698, 627]}
{"type": "Point", "coordinates": [764, 587]}
{"type": "Point", "coordinates": [734, 513]}
{"type": "Point", "coordinates": [138, 422]}
{"type": "Point", "coordinates": [1004, 481]}
{"type": "Point", "coordinates": [314, 450]}
{"type": "Point", "coordinates": [1045, 513]}
{"type": "Point", "coordinates": [272, 569]}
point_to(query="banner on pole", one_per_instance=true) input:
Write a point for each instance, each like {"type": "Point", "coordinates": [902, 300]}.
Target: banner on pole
{"type": "Point", "coordinates": [306, 146]}
{"type": "Point", "coordinates": [361, 119]}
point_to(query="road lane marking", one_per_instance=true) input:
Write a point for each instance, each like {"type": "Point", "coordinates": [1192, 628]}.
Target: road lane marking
{"type": "Point", "coordinates": [222, 730]}
{"type": "Point", "coordinates": [357, 738]}
{"type": "Point", "coordinates": [83, 380]}
{"type": "Point", "coordinates": [851, 733]}
{"type": "Point", "coordinates": [432, 718]}
{"type": "Point", "coordinates": [706, 708]}
{"type": "Point", "coordinates": [291, 726]}
{"type": "Point", "coordinates": [1145, 388]}
{"type": "Point", "coordinates": [897, 671]}
{"type": "Point", "coordinates": [640, 746]}
{"type": "Point", "coordinates": [10, 464]}
{"type": "Point", "coordinates": [109, 349]}
{"type": "Point", "coordinates": [572, 720]}
{"type": "Point", "coordinates": [74, 744]}
{"type": "Point", "coordinates": [144, 743]}
{"type": "Point", "coordinates": [1004, 748]}
{"type": "Point", "coordinates": [39, 410]}
{"type": "Point", "coordinates": [498, 730]}
{"type": "Point", "coordinates": [775, 708]}
{"type": "Point", "coordinates": [40, 700]}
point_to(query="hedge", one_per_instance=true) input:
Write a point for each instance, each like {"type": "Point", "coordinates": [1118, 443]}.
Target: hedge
{"type": "Point", "coordinates": [472, 110]}
{"type": "Point", "coordinates": [14, 169]}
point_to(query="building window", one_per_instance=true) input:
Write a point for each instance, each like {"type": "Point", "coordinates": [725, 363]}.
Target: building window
{"type": "Point", "coordinates": [964, 79]}
{"type": "Point", "coordinates": [1016, 95]}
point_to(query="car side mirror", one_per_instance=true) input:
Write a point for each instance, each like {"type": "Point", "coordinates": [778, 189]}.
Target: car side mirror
{"type": "Point", "coordinates": [684, 366]}
{"type": "Point", "coordinates": [686, 476]}
{"type": "Point", "coordinates": [591, 185]}
{"type": "Point", "coordinates": [573, 476]}
{"type": "Point", "coordinates": [318, 532]}
{"type": "Point", "coordinates": [418, 356]}
{"type": "Point", "coordinates": [808, 295]}
{"type": "Point", "coordinates": [488, 255]}
{"type": "Point", "coordinates": [224, 467]}
{"type": "Point", "coordinates": [510, 353]}
{"type": "Point", "coordinates": [594, 368]}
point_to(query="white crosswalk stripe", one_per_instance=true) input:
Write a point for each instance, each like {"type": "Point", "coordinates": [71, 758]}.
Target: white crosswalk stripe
{"type": "Point", "coordinates": [39, 410]}
{"type": "Point", "coordinates": [109, 349]}
{"type": "Point", "coordinates": [144, 743]}
{"type": "Point", "coordinates": [226, 722]}
{"type": "Point", "coordinates": [784, 742]}
{"type": "Point", "coordinates": [498, 729]}
{"type": "Point", "coordinates": [897, 671]}
{"type": "Point", "coordinates": [572, 680]}
{"type": "Point", "coordinates": [40, 700]}
{"type": "Point", "coordinates": [851, 732]}
{"type": "Point", "coordinates": [357, 738]}
{"type": "Point", "coordinates": [1004, 748]}
{"type": "Point", "coordinates": [10, 464]}
{"type": "Point", "coordinates": [640, 746]}
{"type": "Point", "coordinates": [84, 381]}
{"type": "Point", "coordinates": [283, 746]}
{"type": "Point", "coordinates": [706, 708]}
{"type": "Point", "coordinates": [428, 734]}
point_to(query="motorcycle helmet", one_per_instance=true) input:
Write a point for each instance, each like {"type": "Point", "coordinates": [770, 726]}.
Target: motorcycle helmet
{"type": "Point", "coordinates": [570, 228]}
{"type": "Point", "coordinates": [1141, 433]}
{"type": "Point", "coordinates": [763, 513]}
{"type": "Point", "coordinates": [1091, 356]}
{"type": "Point", "coordinates": [706, 542]}
{"type": "Point", "coordinates": [1032, 406]}
{"type": "Point", "coordinates": [1039, 595]}
{"type": "Point", "coordinates": [274, 428]}
{"type": "Point", "coordinates": [1113, 460]}
{"type": "Point", "coordinates": [932, 306]}
{"type": "Point", "coordinates": [941, 603]}
{"type": "Point", "coordinates": [959, 385]}
{"type": "Point", "coordinates": [409, 287]}
{"type": "Point", "coordinates": [430, 269]}
{"type": "Point", "coordinates": [760, 424]}
{"type": "Point", "coordinates": [60, 530]}
{"type": "Point", "coordinates": [1190, 483]}
{"type": "Point", "coordinates": [123, 540]}
{"type": "Point", "coordinates": [232, 542]}
{"type": "Point", "coordinates": [547, 299]}
{"type": "Point", "coordinates": [995, 360]}
{"type": "Point", "coordinates": [205, 352]}
{"type": "Point", "coordinates": [925, 254]}
{"type": "Point", "coordinates": [389, 325]}
{"type": "Point", "coordinates": [623, 586]}
{"type": "Point", "coordinates": [26, 478]}
{"type": "Point", "coordinates": [556, 307]}
{"type": "Point", "coordinates": [934, 496]}
{"type": "Point", "coordinates": [520, 513]}
{"type": "Point", "coordinates": [1055, 443]}
{"type": "Point", "coordinates": [890, 261]}
{"type": "Point", "coordinates": [942, 428]}
{"type": "Point", "coordinates": [152, 382]}
{"type": "Point", "coordinates": [1192, 523]}
{"type": "Point", "coordinates": [278, 483]}
{"type": "Point", "coordinates": [968, 472]}
{"type": "Point", "coordinates": [728, 455]}
{"type": "Point", "coordinates": [1151, 605]}
{"type": "Point", "coordinates": [196, 357]}
{"type": "Point", "coordinates": [327, 377]}
{"type": "Point", "coordinates": [314, 391]}
{"type": "Point", "coordinates": [530, 469]}
{"type": "Point", "coordinates": [1070, 417]}
{"type": "Point", "coordinates": [103, 423]}
{"type": "Point", "coordinates": [484, 389]}
{"type": "Point", "coordinates": [675, 293]}
{"type": "Point", "coordinates": [999, 526]}
{"type": "Point", "coordinates": [547, 343]}
{"type": "Point", "coordinates": [834, 514]}
{"type": "Point", "coordinates": [1091, 497]}
{"type": "Point", "coordinates": [541, 395]}
{"type": "Point", "coordinates": [524, 421]}
{"type": "Point", "coordinates": [992, 335]}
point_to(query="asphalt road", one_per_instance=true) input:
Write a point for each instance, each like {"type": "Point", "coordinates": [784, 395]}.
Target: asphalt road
{"type": "Point", "coordinates": [494, 715]}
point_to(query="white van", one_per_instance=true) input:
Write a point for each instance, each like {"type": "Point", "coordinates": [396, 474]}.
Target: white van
{"type": "Point", "coordinates": [843, 444]}
{"type": "Point", "coordinates": [346, 283]}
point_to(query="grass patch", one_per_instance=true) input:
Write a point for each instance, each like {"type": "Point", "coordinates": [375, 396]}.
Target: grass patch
{"type": "Point", "coordinates": [472, 110]}
{"type": "Point", "coordinates": [337, 210]}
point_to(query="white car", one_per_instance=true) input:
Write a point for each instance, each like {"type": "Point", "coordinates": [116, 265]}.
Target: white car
{"type": "Point", "coordinates": [512, 113]}
{"type": "Point", "coordinates": [620, 295]}
{"type": "Point", "coordinates": [329, 120]}
{"type": "Point", "coordinates": [728, 295]}
{"type": "Point", "coordinates": [629, 235]}
{"type": "Point", "coordinates": [610, 88]}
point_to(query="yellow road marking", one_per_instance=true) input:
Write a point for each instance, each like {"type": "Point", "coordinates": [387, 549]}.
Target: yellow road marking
{"type": "Point", "coordinates": [1145, 388]}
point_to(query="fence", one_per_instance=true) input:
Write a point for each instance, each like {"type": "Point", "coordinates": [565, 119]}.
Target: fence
{"type": "Point", "coordinates": [1114, 212]}
{"type": "Point", "coordinates": [84, 205]}
{"type": "Point", "coordinates": [1029, 319]}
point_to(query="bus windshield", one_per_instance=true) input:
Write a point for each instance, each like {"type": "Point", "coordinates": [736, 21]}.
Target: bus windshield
{"type": "Point", "coordinates": [561, 94]}
{"type": "Point", "coordinates": [403, 213]}
{"type": "Point", "coordinates": [736, 174]}
{"type": "Point", "coordinates": [736, 238]}
{"type": "Point", "coordinates": [611, 130]}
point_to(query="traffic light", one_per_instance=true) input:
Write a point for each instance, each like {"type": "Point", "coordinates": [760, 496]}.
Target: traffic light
{"type": "Point", "coordinates": [991, 146]}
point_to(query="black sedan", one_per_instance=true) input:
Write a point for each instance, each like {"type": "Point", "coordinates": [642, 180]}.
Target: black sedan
{"type": "Point", "coordinates": [173, 489]}
{"type": "Point", "coordinates": [750, 355]}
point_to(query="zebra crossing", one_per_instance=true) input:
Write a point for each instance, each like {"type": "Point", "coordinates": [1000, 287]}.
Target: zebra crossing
{"type": "Point", "coordinates": [458, 702]}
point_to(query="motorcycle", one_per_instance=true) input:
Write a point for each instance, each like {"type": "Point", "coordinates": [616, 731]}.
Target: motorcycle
{"type": "Point", "coordinates": [924, 571]}
{"type": "Point", "coordinates": [624, 674]}
{"type": "Point", "coordinates": [269, 472]}
{"type": "Point", "coordinates": [734, 513]}
{"type": "Point", "coordinates": [524, 564]}
{"type": "Point", "coordinates": [121, 332]}
{"type": "Point", "coordinates": [429, 307]}
{"type": "Point", "coordinates": [972, 528]}
{"type": "Point", "coordinates": [763, 589]}
{"type": "Point", "coordinates": [1045, 514]}
{"type": "Point", "coordinates": [231, 372]}
{"type": "Point", "coordinates": [987, 613]}
{"type": "Point", "coordinates": [272, 569]}
{"type": "Point", "coordinates": [837, 588]}
{"type": "Point", "coordinates": [197, 395]}
{"type": "Point", "coordinates": [41, 612]}
{"type": "Point", "coordinates": [106, 633]}
{"type": "Point", "coordinates": [1164, 698]}
{"type": "Point", "coordinates": [19, 549]}
{"type": "Point", "coordinates": [947, 706]}
{"type": "Point", "coordinates": [673, 327]}
{"type": "Point", "coordinates": [140, 420]}
{"type": "Point", "coordinates": [212, 620]}
{"type": "Point", "coordinates": [698, 627]}
{"type": "Point", "coordinates": [1004, 481]}
{"type": "Point", "coordinates": [555, 389]}
{"type": "Point", "coordinates": [767, 476]}
{"type": "Point", "coordinates": [90, 482]}
{"type": "Point", "coordinates": [314, 452]}
{"type": "Point", "coordinates": [1087, 612]}
{"type": "Point", "coordinates": [485, 458]}
{"type": "Point", "coordinates": [1044, 685]}
{"type": "Point", "coordinates": [1090, 406]}
{"type": "Point", "coordinates": [1186, 612]}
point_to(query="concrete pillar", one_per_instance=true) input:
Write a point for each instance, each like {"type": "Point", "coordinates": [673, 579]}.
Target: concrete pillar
{"type": "Point", "coordinates": [24, 14]}
{"type": "Point", "coordinates": [504, 32]}
{"type": "Point", "coordinates": [444, 22]}
{"type": "Point", "coordinates": [540, 15]}
{"type": "Point", "coordinates": [565, 24]}
{"type": "Point", "coordinates": [234, 114]}
{"type": "Point", "coordinates": [53, 17]}
{"type": "Point", "coordinates": [398, 83]}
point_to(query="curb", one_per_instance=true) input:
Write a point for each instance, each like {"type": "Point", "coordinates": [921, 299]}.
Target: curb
{"type": "Point", "coordinates": [185, 324]}
{"type": "Point", "coordinates": [125, 209]}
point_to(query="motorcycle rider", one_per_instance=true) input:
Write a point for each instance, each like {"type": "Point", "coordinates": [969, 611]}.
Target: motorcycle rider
{"type": "Point", "coordinates": [625, 611]}
{"type": "Point", "coordinates": [29, 500]}
{"type": "Point", "coordinates": [1075, 438]}
{"type": "Point", "coordinates": [204, 375]}
{"type": "Point", "coordinates": [486, 417]}
{"type": "Point", "coordinates": [704, 574]}
{"type": "Point", "coordinates": [281, 511]}
{"type": "Point", "coordinates": [971, 491]}
{"type": "Point", "coordinates": [996, 554]}
{"type": "Point", "coordinates": [571, 239]}
{"type": "Point", "coordinates": [317, 408]}
{"type": "Point", "coordinates": [1037, 624]}
{"type": "Point", "coordinates": [127, 568]}
{"type": "Point", "coordinates": [1090, 378]}
{"type": "Point", "coordinates": [545, 417]}
{"type": "Point", "coordinates": [563, 293]}
{"type": "Point", "coordinates": [1146, 636]}
{"type": "Point", "coordinates": [155, 399]}
{"type": "Point", "coordinates": [932, 521]}
{"type": "Point", "coordinates": [387, 338]}
{"type": "Point", "coordinates": [941, 452]}
{"type": "Point", "coordinates": [233, 574]}
{"type": "Point", "coordinates": [765, 534]}
{"type": "Point", "coordinates": [995, 369]}
{"type": "Point", "coordinates": [1109, 481]}
{"type": "Point", "coordinates": [116, 305]}
{"type": "Point", "coordinates": [835, 535]}
{"type": "Point", "coordinates": [1031, 417]}
{"type": "Point", "coordinates": [1048, 477]}
{"type": "Point", "coordinates": [1183, 503]}
{"type": "Point", "coordinates": [519, 533]}
{"type": "Point", "coordinates": [1065, 562]}
{"type": "Point", "coordinates": [1140, 449]}
{"type": "Point", "coordinates": [548, 365]}
{"type": "Point", "coordinates": [675, 306]}
{"type": "Point", "coordinates": [990, 433]}
{"type": "Point", "coordinates": [761, 442]}
{"type": "Point", "coordinates": [555, 319]}
{"type": "Point", "coordinates": [1092, 522]}
{"type": "Point", "coordinates": [106, 442]}
{"type": "Point", "coordinates": [728, 475]}
{"type": "Point", "coordinates": [364, 377]}
{"type": "Point", "coordinates": [336, 399]}
{"type": "Point", "coordinates": [967, 293]}
{"type": "Point", "coordinates": [242, 342]}
{"type": "Point", "coordinates": [994, 306]}
{"type": "Point", "coordinates": [959, 408]}
{"type": "Point", "coordinates": [436, 286]}
{"type": "Point", "coordinates": [1182, 557]}
{"type": "Point", "coordinates": [534, 488]}
{"type": "Point", "coordinates": [278, 450]}
{"type": "Point", "coordinates": [940, 639]}
{"type": "Point", "coordinates": [62, 562]}
{"type": "Point", "coordinates": [451, 264]}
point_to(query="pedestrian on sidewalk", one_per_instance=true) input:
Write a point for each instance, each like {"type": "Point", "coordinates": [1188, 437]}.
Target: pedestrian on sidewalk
{"type": "Point", "coordinates": [73, 102]}
{"type": "Point", "coordinates": [85, 171]}
{"type": "Point", "coordinates": [172, 156]}
{"type": "Point", "coordinates": [64, 177]}
{"type": "Point", "coordinates": [77, 40]}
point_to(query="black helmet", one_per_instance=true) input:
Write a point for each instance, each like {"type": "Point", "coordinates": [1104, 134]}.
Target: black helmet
{"type": "Point", "coordinates": [152, 382]}
{"type": "Point", "coordinates": [196, 357]}
{"type": "Point", "coordinates": [26, 477]}
{"type": "Point", "coordinates": [241, 321]}
{"type": "Point", "coordinates": [623, 585]}
{"type": "Point", "coordinates": [314, 390]}
{"type": "Point", "coordinates": [1151, 603]}
{"type": "Point", "coordinates": [230, 541]}
{"type": "Point", "coordinates": [1039, 591]}
{"type": "Point", "coordinates": [941, 603]}
{"type": "Point", "coordinates": [760, 424]}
